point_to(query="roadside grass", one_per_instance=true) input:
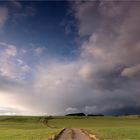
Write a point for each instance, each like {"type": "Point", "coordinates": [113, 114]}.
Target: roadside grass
{"type": "Point", "coordinates": [105, 128]}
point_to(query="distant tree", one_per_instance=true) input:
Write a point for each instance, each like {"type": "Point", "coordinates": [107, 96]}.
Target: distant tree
{"type": "Point", "coordinates": [76, 114]}
{"type": "Point", "coordinates": [95, 115]}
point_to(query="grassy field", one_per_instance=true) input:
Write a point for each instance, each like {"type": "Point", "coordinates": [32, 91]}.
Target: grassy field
{"type": "Point", "coordinates": [24, 128]}
{"type": "Point", "coordinates": [109, 128]}
{"type": "Point", "coordinates": [105, 128]}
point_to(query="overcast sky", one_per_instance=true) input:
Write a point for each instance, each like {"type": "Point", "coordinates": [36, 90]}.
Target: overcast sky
{"type": "Point", "coordinates": [59, 57]}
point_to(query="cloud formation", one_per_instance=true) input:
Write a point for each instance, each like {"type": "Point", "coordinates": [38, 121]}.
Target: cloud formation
{"type": "Point", "coordinates": [112, 50]}
{"type": "Point", "coordinates": [104, 79]}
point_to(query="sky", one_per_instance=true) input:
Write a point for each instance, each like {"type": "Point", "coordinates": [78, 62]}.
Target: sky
{"type": "Point", "coordinates": [59, 57]}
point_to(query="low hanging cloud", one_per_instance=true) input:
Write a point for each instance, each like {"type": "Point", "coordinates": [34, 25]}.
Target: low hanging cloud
{"type": "Point", "coordinates": [104, 79]}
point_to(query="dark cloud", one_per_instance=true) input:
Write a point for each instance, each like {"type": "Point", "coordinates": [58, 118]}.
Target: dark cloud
{"type": "Point", "coordinates": [112, 51]}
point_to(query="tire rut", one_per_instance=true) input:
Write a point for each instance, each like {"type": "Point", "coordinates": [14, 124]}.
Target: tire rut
{"type": "Point", "coordinates": [73, 134]}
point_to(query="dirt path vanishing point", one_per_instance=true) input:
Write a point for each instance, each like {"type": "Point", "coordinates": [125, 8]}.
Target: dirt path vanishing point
{"type": "Point", "coordinates": [73, 134]}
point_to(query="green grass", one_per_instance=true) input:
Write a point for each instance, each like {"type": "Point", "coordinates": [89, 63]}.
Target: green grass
{"type": "Point", "coordinates": [24, 128]}
{"type": "Point", "coordinates": [105, 128]}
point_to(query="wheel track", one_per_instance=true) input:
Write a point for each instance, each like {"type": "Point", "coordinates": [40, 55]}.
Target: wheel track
{"type": "Point", "coordinates": [73, 134]}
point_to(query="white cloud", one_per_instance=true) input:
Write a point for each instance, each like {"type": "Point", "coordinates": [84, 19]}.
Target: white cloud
{"type": "Point", "coordinates": [7, 69]}
{"type": "Point", "coordinates": [11, 50]}
{"type": "Point", "coordinates": [10, 64]}
{"type": "Point", "coordinates": [86, 71]}
{"type": "Point", "coordinates": [25, 68]}
{"type": "Point", "coordinates": [131, 71]}
{"type": "Point", "coordinates": [70, 110]}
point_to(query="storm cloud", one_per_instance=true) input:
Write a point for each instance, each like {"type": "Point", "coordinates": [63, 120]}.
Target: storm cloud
{"type": "Point", "coordinates": [105, 78]}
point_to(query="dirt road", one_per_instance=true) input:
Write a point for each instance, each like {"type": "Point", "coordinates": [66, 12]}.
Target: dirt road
{"type": "Point", "coordinates": [73, 134]}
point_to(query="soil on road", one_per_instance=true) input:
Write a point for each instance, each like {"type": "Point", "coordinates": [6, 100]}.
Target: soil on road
{"type": "Point", "coordinates": [73, 134]}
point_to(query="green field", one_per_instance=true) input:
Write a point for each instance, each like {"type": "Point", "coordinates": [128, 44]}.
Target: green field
{"type": "Point", "coordinates": [34, 128]}
{"type": "Point", "coordinates": [24, 128]}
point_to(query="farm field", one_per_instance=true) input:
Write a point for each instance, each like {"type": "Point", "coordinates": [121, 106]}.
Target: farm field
{"type": "Point", "coordinates": [105, 128]}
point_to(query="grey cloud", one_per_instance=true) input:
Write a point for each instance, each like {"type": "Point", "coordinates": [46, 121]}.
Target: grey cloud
{"type": "Point", "coordinates": [112, 51]}
{"type": "Point", "coordinates": [58, 89]}
{"type": "Point", "coordinates": [8, 111]}
{"type": "Point", "coordinates": [104, 79]}
{"type": "Point", "coordinates": [3, 16]}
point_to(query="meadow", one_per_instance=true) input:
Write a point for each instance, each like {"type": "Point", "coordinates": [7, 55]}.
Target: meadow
{"type": "Point", "coordinates": [41, 128]}
{"type": "Point", "coordinates": [24, 128]}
